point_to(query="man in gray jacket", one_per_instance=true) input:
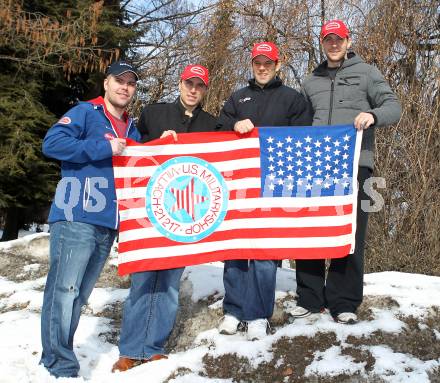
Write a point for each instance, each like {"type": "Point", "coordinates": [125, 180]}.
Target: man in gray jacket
{"type": "Point", "coordinates": [343, 90]}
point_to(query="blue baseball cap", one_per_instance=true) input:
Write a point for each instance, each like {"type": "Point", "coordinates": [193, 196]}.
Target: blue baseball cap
{"type": "Point", "coordinates": [121, 67]}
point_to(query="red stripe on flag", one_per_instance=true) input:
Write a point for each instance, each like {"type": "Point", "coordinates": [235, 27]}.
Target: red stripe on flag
{"type": "Point", "coordinates": [173, 262]}
{"type": "Point", "coordinates": [299, 232]}
{"type": "Point", "coordinates": [314, 211]}
{"type": "Point", "coordinates": [229, 155]}
{"type": "Point", "coordinates": [322, 211]}
{"type": "Point", "coordinates": [134, 182]}
{"type": "Point", "coordinates": [133, 224]}
{"type": "Point", "coordinates": [196, 138]}
{"type": "Point", "coordinates": [131, 203]}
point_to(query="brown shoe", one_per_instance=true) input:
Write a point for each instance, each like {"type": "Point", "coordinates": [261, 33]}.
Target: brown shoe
{"type": "Point", "coordinates": [155, 357]}
{"type": "Point", "coordinates": [124, 364]}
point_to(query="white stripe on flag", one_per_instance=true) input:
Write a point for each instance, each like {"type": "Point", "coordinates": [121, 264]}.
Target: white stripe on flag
{"type": "Point", "coordinates": [190, 149]}
{"type": "Point", "coordinates": [140, 192]}
{"type": "Point", "coordinates": [221, 166]}
{"type": "Point", "coordinates": [250, 223]}
{"type": "Point", "coordinates": [287, 203]}
{"type": "Point", "coordinates": [262, 243]}
{"type": "Point", "coordinates": [260, 203]}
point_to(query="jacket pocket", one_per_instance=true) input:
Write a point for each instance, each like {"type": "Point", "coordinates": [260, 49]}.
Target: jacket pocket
{"type": "Point", "coordinates": [352, 88]}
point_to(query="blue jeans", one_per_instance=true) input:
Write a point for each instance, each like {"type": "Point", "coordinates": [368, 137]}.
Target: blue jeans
{"type": "Point", "coordinates": [149, 313]}
{"type": "Point", "coordinates": [249, 289]}
{"type": "Point", "coordinates": [78, 252]}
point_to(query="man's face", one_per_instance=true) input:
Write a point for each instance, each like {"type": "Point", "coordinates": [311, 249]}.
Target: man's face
{"type": "Point", "coordinates": [192, 91]}
{"type": "Point", "coordinates": [119, 90]}
{"type": "Point", "coordinates": [335, 48]}
{"type": "Point", "coordinates": [264, 69]}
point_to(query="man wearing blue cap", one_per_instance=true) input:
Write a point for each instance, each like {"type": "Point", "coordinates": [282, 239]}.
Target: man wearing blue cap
{"type": "Point", "coordinates": [83, 217]}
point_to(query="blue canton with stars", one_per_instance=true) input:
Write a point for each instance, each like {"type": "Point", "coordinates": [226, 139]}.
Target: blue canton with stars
{"type": "Point", "coordinates": [312, 161]}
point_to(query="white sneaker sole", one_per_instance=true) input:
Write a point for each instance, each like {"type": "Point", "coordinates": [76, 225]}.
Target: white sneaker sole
{"type": "Point", "coordinates": [350, 321]}
{"type": "Point", "coordinates": [305, 315]}
{"type": "Point", "coordinates": [226, 332]}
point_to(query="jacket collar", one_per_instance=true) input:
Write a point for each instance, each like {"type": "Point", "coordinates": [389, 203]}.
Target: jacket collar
{"type": "Point", "coordinates": [99, 101]}
{"type": "Point", "coordinates": [182, 109]}
{"type": "Point", "coordinates": [274, 83]}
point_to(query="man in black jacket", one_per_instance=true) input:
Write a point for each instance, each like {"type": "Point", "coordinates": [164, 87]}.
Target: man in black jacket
{"type": "Point", "coordinates": [250, 285]}
{"type": "Point", "coordinates": [151, 307]}
{"type": "Point", "coordinates": [185, 114]}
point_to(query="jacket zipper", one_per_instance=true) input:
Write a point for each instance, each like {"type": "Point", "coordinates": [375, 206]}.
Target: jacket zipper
{"type": "Point", "coordinates": [330, 112]}
{"type": "Point", "coordinates": [86, 191]}
{"type": "Point", "coordinates": [126, 135]}
{"type": "Point", "coordinates": [332, 91]}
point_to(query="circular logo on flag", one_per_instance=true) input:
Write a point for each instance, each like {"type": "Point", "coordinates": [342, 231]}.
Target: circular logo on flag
{"type": "Point", "coordinates": [186, 199]}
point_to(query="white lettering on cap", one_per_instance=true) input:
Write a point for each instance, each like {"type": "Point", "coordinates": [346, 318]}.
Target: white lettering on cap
{"type": "Point", "coordinates": [333, 25]}
{"type": "Point", "coordinates": [197, 70]}
{"type": "Point", "coordinates": [264, 48]}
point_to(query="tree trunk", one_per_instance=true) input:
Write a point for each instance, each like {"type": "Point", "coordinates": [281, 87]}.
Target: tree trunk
{"type": "Point", "coordinates": [13, 222]}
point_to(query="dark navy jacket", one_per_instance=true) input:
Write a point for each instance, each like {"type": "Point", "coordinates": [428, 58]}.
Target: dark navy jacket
{"type": "Point", "coordinates": [273, 105]}
{"type": "Point", "coordinates": [80, 140]}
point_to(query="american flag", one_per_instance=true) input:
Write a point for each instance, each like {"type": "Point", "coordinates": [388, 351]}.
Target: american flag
{"type": "Point", "coordinates": [276, 193]}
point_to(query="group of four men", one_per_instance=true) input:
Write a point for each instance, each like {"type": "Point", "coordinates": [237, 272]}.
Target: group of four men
{"type": "Point", "coordinates": [342, 90]}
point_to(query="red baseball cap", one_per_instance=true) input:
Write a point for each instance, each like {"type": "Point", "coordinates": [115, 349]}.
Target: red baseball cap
{"type": "Point", "coordinates": [199, 71]}
{"type": "Point", "coordinates": [267, 49]}
{"type": "Point", "coordinates": [335, 26]}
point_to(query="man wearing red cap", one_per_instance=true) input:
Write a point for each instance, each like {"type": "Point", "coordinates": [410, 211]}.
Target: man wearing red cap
{"type": "Point", "coordinates": [344, 90]}
{"type": "Point", "coordinates": [151, 306]}
{"type": "Point", "coordinates": [185, 114]}
{"type": "Point", "coordinates": [250, 285]}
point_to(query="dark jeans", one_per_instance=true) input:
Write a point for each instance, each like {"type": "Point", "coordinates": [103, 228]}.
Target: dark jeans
{"type": "Point", "coordinates": [343, 289]}
{"type": "Point", "coordinates": [249, 288]}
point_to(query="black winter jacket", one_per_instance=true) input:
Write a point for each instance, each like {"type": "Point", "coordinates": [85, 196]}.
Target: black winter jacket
{"type": "Point", "coordinates": [156, 118]}
{"type": "Point", "coordinates": [273, 105]}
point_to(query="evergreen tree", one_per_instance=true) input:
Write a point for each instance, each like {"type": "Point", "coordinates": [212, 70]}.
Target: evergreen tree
{"type": "Point", "coordinates": [51, 54]}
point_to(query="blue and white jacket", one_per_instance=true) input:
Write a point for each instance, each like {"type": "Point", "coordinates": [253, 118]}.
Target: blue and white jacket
{"type": "Point", "coordinates": [81, 141]}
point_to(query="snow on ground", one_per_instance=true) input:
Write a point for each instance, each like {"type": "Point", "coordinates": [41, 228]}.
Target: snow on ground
{"type": "Point", "coordinates": [407, 295]}
{"type": "Point", "coordinates": [25, 237]}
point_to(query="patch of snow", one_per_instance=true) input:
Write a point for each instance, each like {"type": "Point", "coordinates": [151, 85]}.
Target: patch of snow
{"type": "Point", "coordinates": [206, 280]}
{"type": "Point", "coordinates": [192, 378]}
{"type": "Point", "coordinates": [332, 363]}
{"type": "Point", "coordinates": [23, 241]}
{"type": "Point", "coordinates": [20, 348]}
{"type": "Point", "coordinates": [102, 297]}
{"type": "Point", "coordinates": [31, 267]}
{"type": "Point", "coordinates": [397, 367]}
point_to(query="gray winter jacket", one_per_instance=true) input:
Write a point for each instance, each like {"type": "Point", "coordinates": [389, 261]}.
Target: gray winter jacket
{"type": "Point", "coordinates": [358, 87]}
